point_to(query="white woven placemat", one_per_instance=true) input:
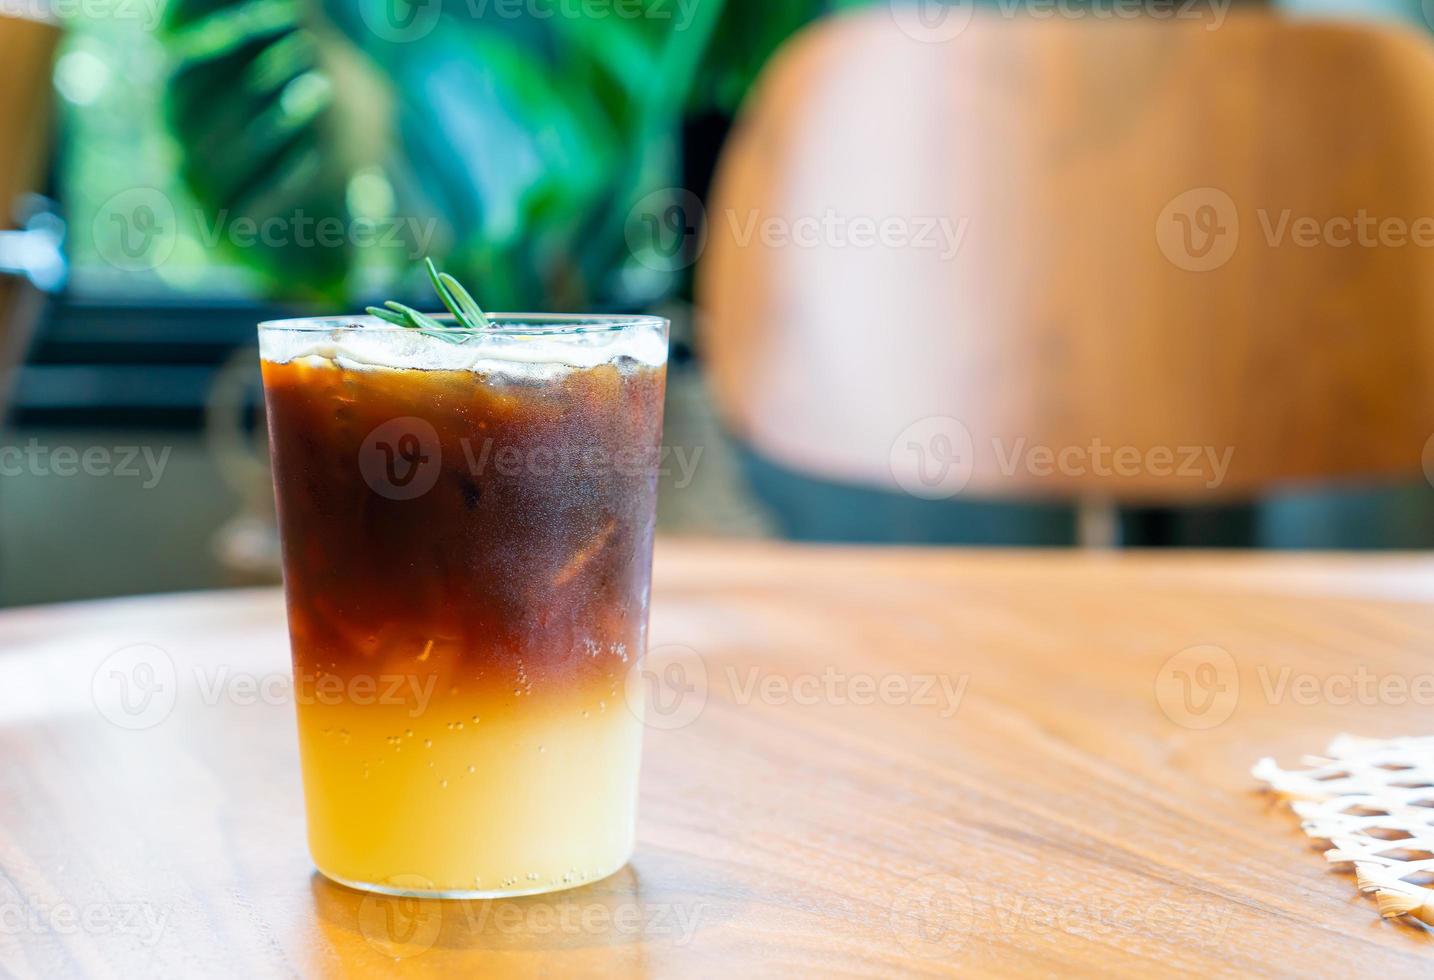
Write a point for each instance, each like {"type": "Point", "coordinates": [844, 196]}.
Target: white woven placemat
{"type": "Point", "coordinates": [1373, 800]}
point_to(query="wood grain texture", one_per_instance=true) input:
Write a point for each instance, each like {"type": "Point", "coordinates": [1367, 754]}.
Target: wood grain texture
{"type": "Point", "coordinates": [1063, 819]}
{"type": "Point", "coordinates": [1074, 314]}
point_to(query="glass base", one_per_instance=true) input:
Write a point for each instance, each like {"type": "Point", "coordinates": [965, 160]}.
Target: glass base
{"type": "Point", "coordinates": [469, 894]}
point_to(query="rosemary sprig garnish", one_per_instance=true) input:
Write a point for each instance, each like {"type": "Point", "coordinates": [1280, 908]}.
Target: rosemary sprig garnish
{"type": "Point", "coordinates": [459, 301]}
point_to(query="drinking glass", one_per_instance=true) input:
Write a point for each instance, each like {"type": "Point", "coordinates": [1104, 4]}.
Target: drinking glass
{"type": "Point", "coordinates": [467, 520]}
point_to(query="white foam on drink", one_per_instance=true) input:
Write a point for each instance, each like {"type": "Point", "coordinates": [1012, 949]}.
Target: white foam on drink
{"type": "Point", "coordinates": [543, 353]}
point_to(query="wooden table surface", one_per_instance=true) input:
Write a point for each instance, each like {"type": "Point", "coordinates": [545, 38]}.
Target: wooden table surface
{"type": "Point", "coordinates": [868, 762]}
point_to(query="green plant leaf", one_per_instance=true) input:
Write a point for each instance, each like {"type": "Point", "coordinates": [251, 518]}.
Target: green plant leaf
{"type": "Point", "coordinates": [248, 101]}
{"type": "Point", "coordinates": [515, 147]}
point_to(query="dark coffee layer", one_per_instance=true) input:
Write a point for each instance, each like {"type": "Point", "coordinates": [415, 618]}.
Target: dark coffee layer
{"type": "Point", "coordinates": [494, 533]}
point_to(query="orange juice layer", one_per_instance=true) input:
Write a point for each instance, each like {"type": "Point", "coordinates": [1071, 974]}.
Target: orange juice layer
{"type": "Point", "coordinates": [477, 792]}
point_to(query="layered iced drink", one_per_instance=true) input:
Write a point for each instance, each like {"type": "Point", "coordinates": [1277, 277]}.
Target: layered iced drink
{"type": "Point", "coordinates": [467, 522]}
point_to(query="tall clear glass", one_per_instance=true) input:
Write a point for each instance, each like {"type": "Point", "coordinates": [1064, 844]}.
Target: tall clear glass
{"type": "Point", "coordinates": [467, 521]}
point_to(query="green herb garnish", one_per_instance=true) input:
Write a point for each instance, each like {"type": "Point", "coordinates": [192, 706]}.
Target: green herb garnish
{"type": "Point", "coordinates": [459, 301]}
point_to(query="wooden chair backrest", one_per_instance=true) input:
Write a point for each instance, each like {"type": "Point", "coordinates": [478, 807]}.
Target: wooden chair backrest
{"type": "Point", "coordinates": [27, 52]}
{"type": "Point", "coordinates": [1069, 256]}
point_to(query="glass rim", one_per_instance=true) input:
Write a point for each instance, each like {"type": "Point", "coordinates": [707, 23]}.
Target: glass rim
{"type": "Point", "coordinates": [504, 324]}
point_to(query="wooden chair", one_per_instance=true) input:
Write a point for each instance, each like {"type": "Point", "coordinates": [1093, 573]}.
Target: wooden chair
{"type": "Point", "coordinates": [27, 51]}
{"type": "Point", "coordinates": [1137, 265]}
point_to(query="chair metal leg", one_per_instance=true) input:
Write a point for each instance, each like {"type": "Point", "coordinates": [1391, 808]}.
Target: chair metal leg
{"type": "Point", "coordinates": [1097, 524]}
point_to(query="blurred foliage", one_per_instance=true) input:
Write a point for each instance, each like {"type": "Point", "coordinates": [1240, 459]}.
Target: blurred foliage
{"type": "Point", "coordinates": [109, 75]}
{"type": "Point", "coordinates": [510, 138]}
